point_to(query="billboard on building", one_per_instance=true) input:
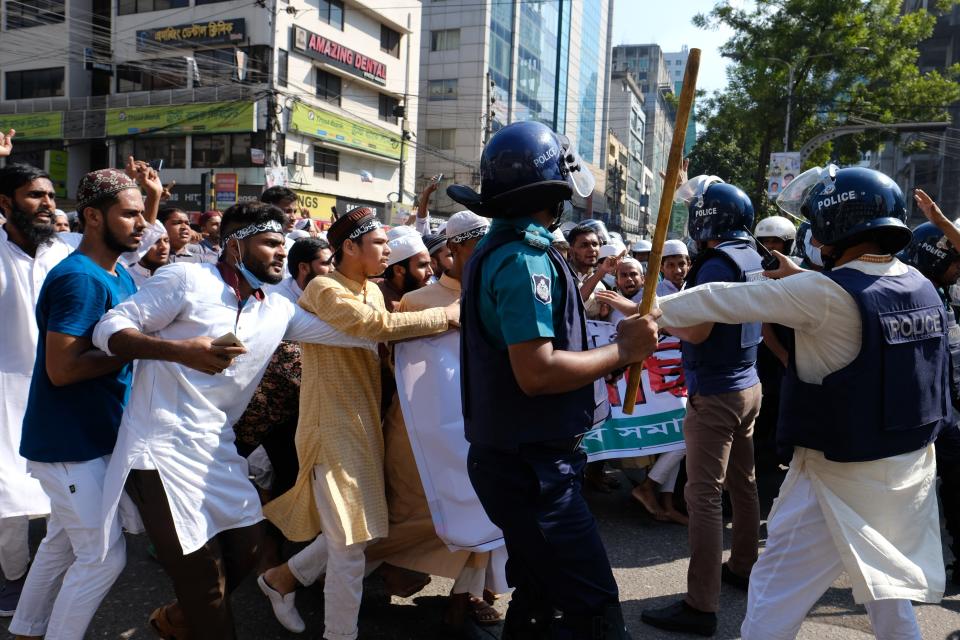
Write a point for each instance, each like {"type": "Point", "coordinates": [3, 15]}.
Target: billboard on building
{"type": "Point", "coordinates": [784, 167]}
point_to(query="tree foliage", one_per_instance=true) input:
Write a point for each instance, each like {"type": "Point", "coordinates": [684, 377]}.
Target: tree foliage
{"type": "Point", "coordinates": [852, 59]}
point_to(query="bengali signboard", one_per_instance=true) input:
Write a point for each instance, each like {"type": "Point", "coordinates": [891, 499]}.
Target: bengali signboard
{"type": "Point", "coordinates": [47, 125]}
{"type": "Point", "coordinates": [328, 126]}
{"type": "Point", "coordinates": [209, 117]}
{"type": "Point", "coordinates": [656, 425]}
{"type": "Point", "coordinates": [337, 55]}
{"type": "Point", "coordinates": [191, 35]}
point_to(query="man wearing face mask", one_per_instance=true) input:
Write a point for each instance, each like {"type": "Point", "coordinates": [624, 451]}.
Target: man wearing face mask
{"type": "Point", "coordinates": [176, 456]}
{"type": "Point", "coordinates": [933, 252]}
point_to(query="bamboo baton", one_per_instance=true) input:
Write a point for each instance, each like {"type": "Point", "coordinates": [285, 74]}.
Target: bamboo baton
{"type": "Point", "coordinates": [666, 204]}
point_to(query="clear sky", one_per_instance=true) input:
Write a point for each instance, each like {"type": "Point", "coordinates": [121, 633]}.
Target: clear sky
{"type": "Point", "coordinates": [667, 23]}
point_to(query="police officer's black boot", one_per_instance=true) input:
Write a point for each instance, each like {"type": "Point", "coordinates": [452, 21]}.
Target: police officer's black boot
{"type": "Point", "coordinates": [522, 623]}
{"type": "Point", "coordinates": [609, 626]}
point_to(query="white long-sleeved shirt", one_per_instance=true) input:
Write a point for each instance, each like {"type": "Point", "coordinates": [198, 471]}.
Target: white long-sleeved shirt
{"type": "Point", "coordinates": [882, 514]}
{"type": "Point", "coordinates": [179, 420]}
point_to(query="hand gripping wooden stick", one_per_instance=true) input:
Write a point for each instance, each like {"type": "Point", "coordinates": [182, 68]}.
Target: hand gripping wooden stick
{"type": "Point", "coordinates": [666, 204]}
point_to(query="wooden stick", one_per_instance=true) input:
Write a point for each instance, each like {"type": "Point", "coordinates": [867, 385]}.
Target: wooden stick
{"type": "Point", "coordinates": [666, 204]}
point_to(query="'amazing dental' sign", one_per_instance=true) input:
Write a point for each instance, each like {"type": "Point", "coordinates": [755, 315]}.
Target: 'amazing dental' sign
{"type": "Point", "coordinates": [335, 54]}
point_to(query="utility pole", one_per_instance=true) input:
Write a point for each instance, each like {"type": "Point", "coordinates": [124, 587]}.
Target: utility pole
{"type": "Point", "coordinates": [403, 126]}
{"type": "Point", "coordinates": [488, 125]}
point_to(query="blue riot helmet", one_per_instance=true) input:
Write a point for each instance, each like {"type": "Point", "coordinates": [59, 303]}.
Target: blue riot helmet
{"type": "Point", "coordinates": [845, 206]}
{"type": "Point", "coordinates": [800, 246]}
{"type": "Point", "coordinates": [525, 167]}
{"type": "Point", "coordinates": [930, 252]}
{"type": "Point", "coordinates": [718, 211]}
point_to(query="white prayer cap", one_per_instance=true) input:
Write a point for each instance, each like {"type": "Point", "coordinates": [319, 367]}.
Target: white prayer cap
{"type": "Point", "coordinates": [442, 229]}
{"type": "Point", "coordinates": [464, 225]}
{"type": "Point", "coordinates": [399, 231]}
{"type": "Point", "coordinates": [405, 246]}
{"type": "Point", "coordinates": [558, 237]}
{"type": "Point", "coordinates": [296, 234]}
{"type": "Point", "coordinates": [611, 249]}
{"type": "Point", "coordinates": [639, 265]}
{"type": "Point", "coordinates": [675, 248]}
{"type": "Point", "coordinates": [641, 245]}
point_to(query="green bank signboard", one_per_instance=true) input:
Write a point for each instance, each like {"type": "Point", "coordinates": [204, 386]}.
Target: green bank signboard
{"type": "Point", "coordinates": [34, 126]}
{"type": "Point", "coordinates": [328, 126]}
{"type": "Point", "coordinates": [210, 117]}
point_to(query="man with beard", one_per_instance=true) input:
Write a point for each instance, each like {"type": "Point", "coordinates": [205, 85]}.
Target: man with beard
{"type": "Point", "coordinates": [177, 224]}
{"type": "Point", "coordinates": [441, 259]}
{"type": "Point", "coordinates": [176, 456]}
{"type": "Point", "coordinates": [629, 285]}
{"type": "Point", "coordinates": [408, 267]}
{"type": "Point", "coordinates": [60, 221]}
{"type": "Point", "coordinates": [76, 398]}
{"type": "Point", "coordinates": [340, 488]}
{"type": "Point", "coordinates": [157, 256]}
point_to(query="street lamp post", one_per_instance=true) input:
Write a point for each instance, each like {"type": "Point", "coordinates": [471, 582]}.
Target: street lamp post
{"type": "Point", "coordinates": [791, 68]}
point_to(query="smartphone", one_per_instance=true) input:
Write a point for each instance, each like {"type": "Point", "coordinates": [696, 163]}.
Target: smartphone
{"type": "Point", "coordinates": [227, 340]}
{"type": "Point", "coordinates": [438, 179]}
{"type": "Point", "coordinates": [156, 165]}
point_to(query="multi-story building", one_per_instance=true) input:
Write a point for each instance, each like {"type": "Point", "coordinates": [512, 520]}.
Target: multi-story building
{"type": "Point", "coordinates": [647, 64]}
{"type": "Point", "coordinates": [628, 123]}
{"type": "Point", "coordinates": [241, 94]}
{"type": "Point", "coordinates": [676, 62]}
{"type": "Point", "coordinates": [486, 64]}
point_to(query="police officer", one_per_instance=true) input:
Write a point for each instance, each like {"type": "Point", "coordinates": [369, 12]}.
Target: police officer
{"type": "Point", "coordinates": [865, 394]}
{"type": "Point", "coordinates": [531, 389]}
{"type": "Point", "coordinates": [776, 233]}
{"type": "Point", "coordinates": [933, 251]}
{"type": "Point", "coordinates": [719, 362]}
{"type": "Point", "coordinates": [807, 255]}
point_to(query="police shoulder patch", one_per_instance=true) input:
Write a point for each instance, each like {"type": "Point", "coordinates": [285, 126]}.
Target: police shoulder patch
{"type": "Point", "coordinates": [541, 288]}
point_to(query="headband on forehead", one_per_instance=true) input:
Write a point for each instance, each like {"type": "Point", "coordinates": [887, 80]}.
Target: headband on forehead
{"type": "Point", "coordinates": [253, 229]}
{"type": "Point", "coordinates": [479, 232]}
{"type": "Point", "coordinates": [364, 228]}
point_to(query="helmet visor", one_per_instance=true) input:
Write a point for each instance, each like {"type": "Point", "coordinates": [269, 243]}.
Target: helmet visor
{"type": "Point", "coordinates": [694, 188]}
{"type": "Point", "coordinates": [580, 177]}
{"type": "Point", "coordinates": [794, 195]}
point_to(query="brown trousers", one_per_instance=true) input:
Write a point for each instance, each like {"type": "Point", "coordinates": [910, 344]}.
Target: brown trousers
{"type": "Point", "coordinates": [718, 430]}
{"type": "Point", "coordinates": [203, 580]}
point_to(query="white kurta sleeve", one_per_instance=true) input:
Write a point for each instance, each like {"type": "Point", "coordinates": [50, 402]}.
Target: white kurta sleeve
{"type": "Point", "coordinates": [150, 309]}
{"type": "Point", "coordinates": [798, 302]}
{"type": "Point", "coordinates": [422, 225]}
{"type": "Point", "coordinates": [306, 327]}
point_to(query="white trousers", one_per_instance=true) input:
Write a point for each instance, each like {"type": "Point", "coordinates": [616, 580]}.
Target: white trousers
{"type": "Point", "coordinates": [14, 546]}
{"type": "Point", "coordinates": [343, 564]}
{"type": "Point", "coordinates": [470, 580]}
{"type": "Point", "coordinates": [798, 565]}
{"type": "Point", "coordinates": [666, 469]}
{"type": "Point", "coordinates": [68, 580]}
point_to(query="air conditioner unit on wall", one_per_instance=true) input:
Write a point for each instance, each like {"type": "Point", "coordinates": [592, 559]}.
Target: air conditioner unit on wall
{"type": "Point", "coordinates": [300, 159]}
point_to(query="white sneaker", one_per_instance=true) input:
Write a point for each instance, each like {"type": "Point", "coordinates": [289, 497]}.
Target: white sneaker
{"type": "Point", "coordinates": [283, 606]}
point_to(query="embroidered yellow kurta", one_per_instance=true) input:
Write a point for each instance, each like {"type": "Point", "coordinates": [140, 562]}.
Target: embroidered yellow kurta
{"type": "Point", "coordinates": [413, 542]}
{"type": "Point", "coordinates": [339, 424]}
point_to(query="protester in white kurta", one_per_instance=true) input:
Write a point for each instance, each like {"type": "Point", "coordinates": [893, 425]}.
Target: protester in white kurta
{"type": "Point", "coordinates": [875, 520]}
{"type": "Point", "coordinates": [176, 419]}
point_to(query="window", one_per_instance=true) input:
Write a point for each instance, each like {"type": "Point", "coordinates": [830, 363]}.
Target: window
{"type": "Point", "coordinates": [442, 89]}
{"type": "Point", "coordinates": [445, 40]}
{"type": "Point", "coordinates": [389, 41]}
{"type": "Point", "coordinates": [283, 62]}
{"type": "Point", "coordinates": [326, 163]}
{"type": "Point", "coordinates": [388, 109]}
{"type": "Point", "coordinates": [331, 12]}
{"type": "Point", "coordinates": [32, 13]}
{"type": "Point", "coordinates": [329, 87]}
{"type": "Point", "coordinates": [34, 83]}
{"type": "Point", "coordinates": [219, 66]}
{"type": "Point", "coordinates": [126, 7]}
{"type": "Point", "coordinates": [226, 149]}
{"type": "Point", "coordinates": [442, 138]}
{"type": "Point", "coordinates": [152, 75]}
{"type": "Point", "coordinates": [173, 151]}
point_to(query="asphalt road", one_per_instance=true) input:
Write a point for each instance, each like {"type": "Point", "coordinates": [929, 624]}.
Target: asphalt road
{"type": "Point", "coordinates": [649, 560]}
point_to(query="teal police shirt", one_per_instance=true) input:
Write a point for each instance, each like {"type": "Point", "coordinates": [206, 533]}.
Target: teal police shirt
{"type": "Point", "coordinates": [520, 298]}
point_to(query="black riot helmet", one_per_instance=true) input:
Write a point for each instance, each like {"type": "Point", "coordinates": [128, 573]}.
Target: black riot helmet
{"type": "Point", "coordinates": [525, 167]}
{"type": "Point", "coordinates": [845, 206]}
{"type": "Point", "coordinates": [930, 252]}
{"type": "Point", "coordinates": [718, 211]}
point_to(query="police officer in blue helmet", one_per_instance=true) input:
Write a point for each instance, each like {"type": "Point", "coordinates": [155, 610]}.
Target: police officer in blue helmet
{"type": "Point", "coordinates": [719, 362]}
{"type": "Point", "coordinates": [865, 394]}
{"type": "Point", "coordinates": [531, 389]}
{"type": "Point", "coordinates": [933, 252]}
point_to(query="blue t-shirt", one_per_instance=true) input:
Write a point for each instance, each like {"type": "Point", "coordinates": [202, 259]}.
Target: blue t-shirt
{"type": "Point", "coordinates": [518, 287]}
{"type": "Point", "coordinates": [76, 422]}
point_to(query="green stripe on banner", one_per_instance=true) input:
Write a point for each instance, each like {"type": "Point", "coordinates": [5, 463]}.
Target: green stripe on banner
{"type": "Point", "coordinates": [636, 436]}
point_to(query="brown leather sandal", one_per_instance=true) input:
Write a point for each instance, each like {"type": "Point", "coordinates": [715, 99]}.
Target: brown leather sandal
{"type": "Point", "coordinates": [160, 623]}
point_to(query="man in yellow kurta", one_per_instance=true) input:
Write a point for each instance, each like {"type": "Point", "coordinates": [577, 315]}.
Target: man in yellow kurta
{"type": "Point", "coordinates": [413, 542]}
{"type": "Point", "coordinates": [340, 488]}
